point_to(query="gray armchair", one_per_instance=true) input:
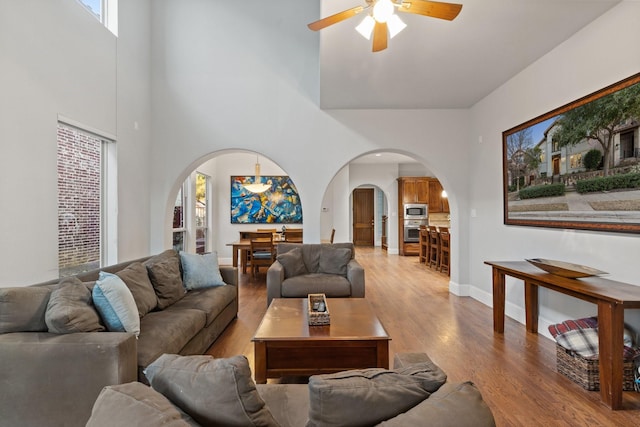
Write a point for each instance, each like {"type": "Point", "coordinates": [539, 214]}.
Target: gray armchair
{"type": "Point", "coordinates": [301, 269]}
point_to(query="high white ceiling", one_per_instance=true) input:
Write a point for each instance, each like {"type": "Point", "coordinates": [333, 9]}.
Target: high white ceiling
{"type": "Point", "coordinates": [435, 63]}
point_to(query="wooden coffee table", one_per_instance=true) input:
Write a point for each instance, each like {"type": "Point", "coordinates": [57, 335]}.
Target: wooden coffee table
{"type": "Point", "coordinates": [285, 344]}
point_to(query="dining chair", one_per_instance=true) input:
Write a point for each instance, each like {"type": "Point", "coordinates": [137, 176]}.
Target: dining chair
{"type": "Point", "coordinates": [262, 253]}
{"type": "Point", "coordinates": [293, 235]}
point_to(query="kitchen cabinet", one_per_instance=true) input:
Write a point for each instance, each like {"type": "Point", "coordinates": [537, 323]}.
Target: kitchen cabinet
{"type": "Point", "coordinates": [437, 203]}
{"type": "Point", "coordinates": [413, 189]}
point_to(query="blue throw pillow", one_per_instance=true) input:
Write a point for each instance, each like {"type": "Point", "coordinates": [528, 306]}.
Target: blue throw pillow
{"type": "Point", "coordinates": [116, 305]}
{"type": "Point", "coordinates": [200, 271]}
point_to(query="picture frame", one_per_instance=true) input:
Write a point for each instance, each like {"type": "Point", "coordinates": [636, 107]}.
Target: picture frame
{"type": "Point", "coordinates": [280, 204]}
{"type": "Point", "coordinates": [553, 176]}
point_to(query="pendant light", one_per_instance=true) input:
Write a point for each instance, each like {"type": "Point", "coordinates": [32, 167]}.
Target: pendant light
{"type": "Point", "coordinates": [257, 186]}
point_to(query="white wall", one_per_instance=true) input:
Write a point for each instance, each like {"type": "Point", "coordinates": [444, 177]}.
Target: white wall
{"type": "Point", "coordinates": [601, 54]}
{"type": "Point", "coordinates": [58, 60]}
{"type": "Point", "coordinates": [257, 91]}
{"type": "Point", "coordinates": [43, 77]}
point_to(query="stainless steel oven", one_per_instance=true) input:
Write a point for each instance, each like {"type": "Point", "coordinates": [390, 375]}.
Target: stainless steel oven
{"type": "Point", "coordinates": [412, 229]}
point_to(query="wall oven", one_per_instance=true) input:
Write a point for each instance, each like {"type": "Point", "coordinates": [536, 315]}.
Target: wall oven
{"type": "Point", "coordinates": [415, 210]}
{"type": "Point", "coordinates": [412, 229]}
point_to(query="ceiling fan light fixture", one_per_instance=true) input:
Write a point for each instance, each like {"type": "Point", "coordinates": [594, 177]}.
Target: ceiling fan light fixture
{"type": "Point", "coordinates": [383, 10]}
{"type": "Point", "coordinates": [395, 25]}
{"type": "Point", "coordinates": [365, 28]}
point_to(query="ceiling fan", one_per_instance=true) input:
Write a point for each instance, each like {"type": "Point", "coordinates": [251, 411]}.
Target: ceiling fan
{"type": "Point", "coordinates": [382, 21]}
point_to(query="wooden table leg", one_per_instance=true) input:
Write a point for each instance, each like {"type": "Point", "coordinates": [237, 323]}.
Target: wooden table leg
{"type": "Point", "coordinates": [531, 306]}
{"type": "Point", "coordinates": [611, 344]}
{"type": "Point", "coordinates": [382, 349]}
{"type": "Point", "coordinates": [498, 301]}
{"type": "Point", "coordinates": [260, 360]}
{"type": "Point", "coordinates": [235, 256]}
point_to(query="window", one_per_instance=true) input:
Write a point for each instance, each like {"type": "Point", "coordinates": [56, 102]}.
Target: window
{"type": "Point", "coordinates": [179, 225]}
{"type": "Point", "coordinates": [202, 212]}
{"type": "Point", "coordinates": [626, 145]}
{"type": "Point", "coordinates": [191, 215]}
{"type": "Point", "coordinates": [84, 189]}
{"type": "Point", "coordinates": [105, 11]}
{"type": "Point", "coordinates": [575, 161]}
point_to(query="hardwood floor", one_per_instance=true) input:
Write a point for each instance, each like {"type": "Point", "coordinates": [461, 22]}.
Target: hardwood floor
{"type": "Point", "coordinates": [516, 372]}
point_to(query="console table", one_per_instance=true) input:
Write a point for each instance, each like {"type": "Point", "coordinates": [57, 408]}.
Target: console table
{"type": "Point", "coordinates": [610, 296]}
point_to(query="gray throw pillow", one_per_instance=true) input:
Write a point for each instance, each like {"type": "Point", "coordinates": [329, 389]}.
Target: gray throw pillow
{"type": "Point", "coordinates": [212, 391]}
{"type": "Point", "coordinates": [70, 309]}
{"type": "Point", "coordinates": [292, 263]}
{"type": "Point", "coordinates": [23, 309]}
{"type": "Point", "coordinates": [334, 260]}
{"type": "Point", "coordinates": [378, 394]}
{"type": "Point", "coordinates": [166, 278]}
{"type": "Point", "coordinates": [136, 277]}
{"type": "Point", "coordinates": [135, 404]}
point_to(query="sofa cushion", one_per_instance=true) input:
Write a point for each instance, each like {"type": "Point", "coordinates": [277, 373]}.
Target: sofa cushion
{"type": "Point", "coordinates": [331, 285]}
{"type": "Point", "coordinates": [211, 301]}
{"type": "Point", "coordinates": [288, 403]}
{"type": "Point", "coordinates": [459, 405]}
{"type": "Point", "coordinates": [70, 309]}
{"type": "Point", "coordinates": [23, 309]}
{"type": "Point", "coordinates": [292, 263]}
{"type": "Point", "coordinates": [136, 277]}
{"type": "Point", "coordinates": [166, 278]}
{"type": "Point", "coordinates": [334, 260]}
{"type": "Point", "coordinates": [212, 391]}
{"type": "Point", "coordinates": [135, 404]}
{"type": "Point", "coordinates": [378, 394]}
{"type": "Point", "coordinates": [115, 304]}
{"type": "Point", "coordinates": [200, 271]}
{"type": "Point", "coordinates": [167, 331]}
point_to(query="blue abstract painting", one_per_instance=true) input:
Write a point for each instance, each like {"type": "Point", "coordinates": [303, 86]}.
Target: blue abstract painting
{"type": "Point", "coordinates": [280, 204]}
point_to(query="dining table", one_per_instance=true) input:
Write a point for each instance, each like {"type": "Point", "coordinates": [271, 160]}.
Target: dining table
{"type": "Point", "coordinates": [239, 247]}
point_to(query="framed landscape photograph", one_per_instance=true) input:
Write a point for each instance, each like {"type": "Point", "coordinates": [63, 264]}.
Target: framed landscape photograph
{"type": "Point", "coordinates": [577, 166]}
{"type": "Point", "coordinates": [279, 204]}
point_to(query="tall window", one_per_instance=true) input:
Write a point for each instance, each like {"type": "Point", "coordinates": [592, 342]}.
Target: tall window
{"type": "Point", "coordinates": [81, 185]}
{"type": "Point", "coordinates": [202, 212]}
{"type": "Point", "coordinates": [191, 215]}
{"type": "Point", "coordinates": [179, 224]}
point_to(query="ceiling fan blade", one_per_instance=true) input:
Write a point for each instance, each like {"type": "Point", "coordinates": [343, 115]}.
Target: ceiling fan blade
{"type": "Point", "coordinates": [379, 36]}
{"type": "Point", "coordinates": [334, 19]}
{"type": "Point", "coordinates": [434, 9]}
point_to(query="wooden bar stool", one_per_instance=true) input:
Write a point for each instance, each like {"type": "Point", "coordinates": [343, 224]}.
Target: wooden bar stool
{"type": "Point", "coordinates": [445, 259]}
{"type": "Point", "coordinates": [424, 246]}
{"type": "Point", "coordinates": [434, 248]}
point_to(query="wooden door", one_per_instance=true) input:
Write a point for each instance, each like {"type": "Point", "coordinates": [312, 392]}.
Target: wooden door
{"type": "Point", "coordinates": [363, 214]}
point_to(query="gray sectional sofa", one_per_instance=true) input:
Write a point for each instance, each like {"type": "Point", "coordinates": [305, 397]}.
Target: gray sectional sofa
{"type": "Point", "coordinates": [193, 391]}
{"type": "Point", "coordinates": [301, 269]}
{"type": "Point", "coordinates": [56, 353]}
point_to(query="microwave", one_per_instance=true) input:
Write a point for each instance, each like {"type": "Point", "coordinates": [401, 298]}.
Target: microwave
{"type": "Point", "coordinates": [416, 210]}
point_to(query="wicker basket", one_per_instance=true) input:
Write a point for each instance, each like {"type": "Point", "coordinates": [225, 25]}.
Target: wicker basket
{"type": "Point", "coordinates": [586, 372]}
{"type": "Point", "coordinates": [318, 318]}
